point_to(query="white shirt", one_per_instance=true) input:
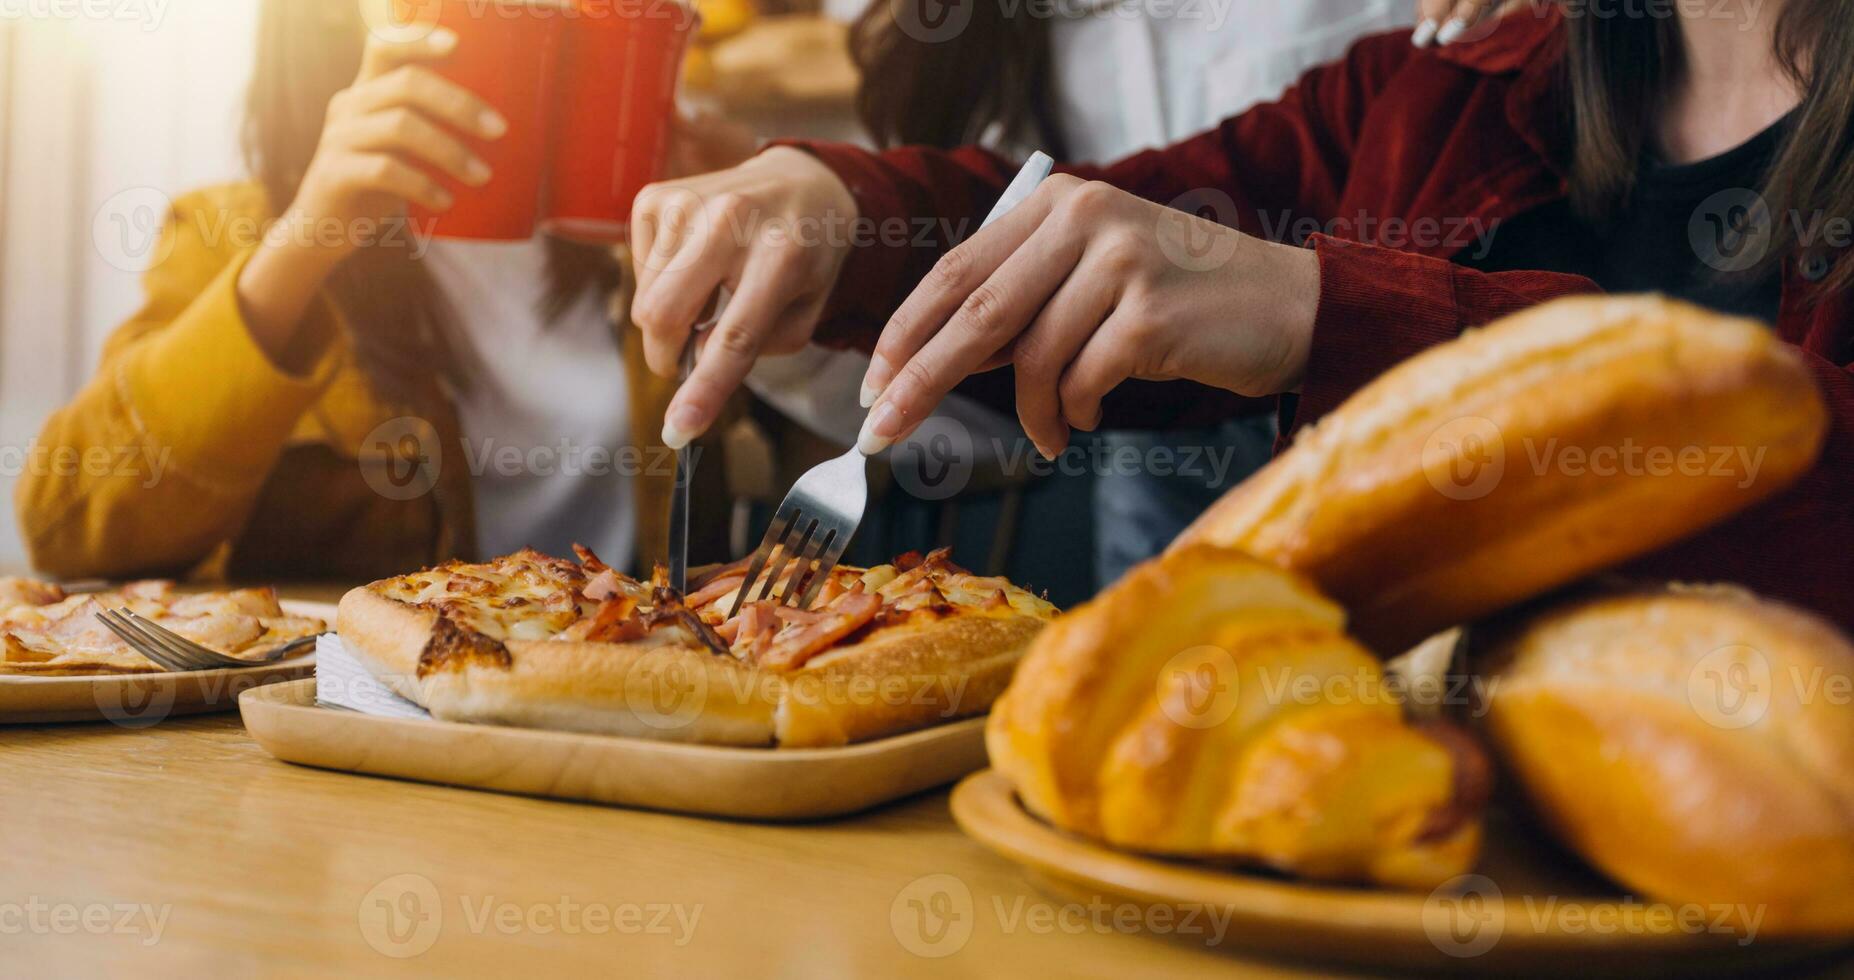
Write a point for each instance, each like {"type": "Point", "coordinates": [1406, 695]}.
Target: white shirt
{"type": "Point", "coordinates": [546, 414]}
{"type": "Point", "coordinates": [1149, 73]}
{"type": "Point", "coordinates": [1127, 77]}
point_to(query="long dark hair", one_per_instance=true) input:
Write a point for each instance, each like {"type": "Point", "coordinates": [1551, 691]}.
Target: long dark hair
{"type": "Point", "coordinates": [307, 52]}
{"type": "Point", "coordinates": [1619, 68]}
{"type": "Point", "coordinates": [944, 92]}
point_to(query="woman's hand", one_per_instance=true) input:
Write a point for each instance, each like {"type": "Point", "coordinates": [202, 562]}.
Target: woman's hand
{"type": "Point", "coordinates": [381, 139]}
{"type": "Point", "coordinates": [1446, 21]}
{"type": "Point", "coordinates": [385, 134]}
{"type": "Point", "coordinates": [1084, 287]}
{"type": "Point", "coordinates": [773, 234]}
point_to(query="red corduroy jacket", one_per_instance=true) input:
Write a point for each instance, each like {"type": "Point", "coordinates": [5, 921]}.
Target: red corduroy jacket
{"type": "Point", "coordinates": [1399, 158]}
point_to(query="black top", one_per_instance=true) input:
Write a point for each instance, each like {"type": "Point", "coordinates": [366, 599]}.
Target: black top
{"type": "Point", "coordinates": [1695, 231]}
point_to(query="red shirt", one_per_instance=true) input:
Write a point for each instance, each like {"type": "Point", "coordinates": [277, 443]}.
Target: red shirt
{"type": "Point", "coordinates": [1399, 157]}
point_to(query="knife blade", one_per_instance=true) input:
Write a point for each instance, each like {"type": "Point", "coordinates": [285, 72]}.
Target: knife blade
{"type": "Point", "coordinates": [679, 497]}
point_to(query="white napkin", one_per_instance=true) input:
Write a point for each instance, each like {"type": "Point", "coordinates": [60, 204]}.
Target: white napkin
{"type": "Point", "coordinates": [343, 682]}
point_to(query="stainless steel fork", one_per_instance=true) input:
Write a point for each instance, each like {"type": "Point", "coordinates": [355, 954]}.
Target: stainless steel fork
{"type": "Point", "coordinates": [171, 651]}
{"type": "Point", "coordinates": [810, 532]}
{"type": "Point", "coordinates": [813, 527]}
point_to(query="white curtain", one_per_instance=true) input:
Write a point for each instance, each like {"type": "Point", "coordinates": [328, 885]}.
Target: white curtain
{"type": "Point", "coordinates": [104, 115]}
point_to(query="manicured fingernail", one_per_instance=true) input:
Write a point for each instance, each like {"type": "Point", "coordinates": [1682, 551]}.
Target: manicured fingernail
{"type": "Point", "coordinates": [879, 430]}
{"type": "Point", "coordinates": [494, 126]}
{"type": "Point", "coordinates": [1425, 33]}
{"type": "Point", "coordinates": [680, 427]}
{"type": "Point", "coordinates": [478, 172]}
{"type": "Point", "coordinates": [1452, 32]}
{"type": "Point", "coordinates": [875, 380]}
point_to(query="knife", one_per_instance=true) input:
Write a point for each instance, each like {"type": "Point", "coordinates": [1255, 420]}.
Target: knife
{"type": "Point", "coordinates": [1036, 170]}
{"type": "Point", "coordinates": [679, 496]}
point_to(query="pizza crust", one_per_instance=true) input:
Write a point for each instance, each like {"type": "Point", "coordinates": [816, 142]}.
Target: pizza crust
{"type": "Point", "coordinates": [905, 678]}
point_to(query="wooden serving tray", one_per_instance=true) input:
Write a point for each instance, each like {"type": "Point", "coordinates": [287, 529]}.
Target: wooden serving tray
{"type": "Point", "coordinates": [748, 784]}
{"type": "Point", "coordinates": [1528, 910]}
{"type": "Point", "coordinates": [141, 700]}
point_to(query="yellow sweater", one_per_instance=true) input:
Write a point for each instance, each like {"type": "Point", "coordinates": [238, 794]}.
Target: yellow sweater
{"type": "Point", "coordinates": [191, 453]}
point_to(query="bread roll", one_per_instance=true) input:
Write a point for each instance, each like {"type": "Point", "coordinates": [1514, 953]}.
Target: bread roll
{"type": "Point", "coordinates": [1696, 745]}
{"type": "Point", "coordinates": [1524, 456]}
{"type": "Point", "coordinates": [1211, 706]}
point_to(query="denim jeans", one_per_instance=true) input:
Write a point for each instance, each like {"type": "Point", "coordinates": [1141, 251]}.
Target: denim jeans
{"type": "Point", "coordinates": [1159, 482]}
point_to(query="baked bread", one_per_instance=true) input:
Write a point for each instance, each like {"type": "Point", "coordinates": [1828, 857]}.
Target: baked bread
{"type": "Point", "coordinates": [1210, 706]}
{"type": "Point", "coordinates": [1694, 744]}
{"type": "Point", "coordinates": [1525, 456]}
{"type": "Point", "coordinates": [540, 642]}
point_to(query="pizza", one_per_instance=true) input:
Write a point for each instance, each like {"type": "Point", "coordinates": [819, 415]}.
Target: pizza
{"type": "Point", "coordinates": [535, 641]}
{"type": "Point", "coordinates": [46, 633]}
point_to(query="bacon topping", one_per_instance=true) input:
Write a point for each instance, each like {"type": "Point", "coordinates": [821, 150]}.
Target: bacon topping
{"type": "Point", "coordinates": [803, 639]}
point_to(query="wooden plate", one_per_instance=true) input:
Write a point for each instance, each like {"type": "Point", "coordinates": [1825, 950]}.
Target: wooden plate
{"type": "Point", "coordinates": [1530, 909]}
{"type": "Point", "coordinates": [750, 784]}
{"type": "Point", "coordinates": [141, 700]}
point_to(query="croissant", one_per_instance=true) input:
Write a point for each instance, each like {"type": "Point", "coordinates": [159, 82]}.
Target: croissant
{"type": "Point", "coordinates": [1211, 706]}
{"type": "Point", "coordinates": [1695, 744]}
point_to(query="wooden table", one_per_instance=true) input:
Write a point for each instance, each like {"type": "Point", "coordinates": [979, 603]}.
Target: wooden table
{"type": "Point", "coordinates": [248, 864]}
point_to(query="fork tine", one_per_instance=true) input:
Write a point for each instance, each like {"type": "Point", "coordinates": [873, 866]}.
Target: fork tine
{"type": "Point", "coordinates": [782, 521]}
{"type": "Point", "coordinates": [812, 575]}
{"type": "Point", "coordinates": [183, 650]}
{"type": "Point", "coordinates": [791, 558]}
{"type": "Point", "coordinates": [198, 654]}
{"type": "Point", "coordinates": [839, 543]}
{"type": "Point", "coordinates": [136, 641]}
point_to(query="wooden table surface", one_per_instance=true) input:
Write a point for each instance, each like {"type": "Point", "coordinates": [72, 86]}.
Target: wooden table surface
{"type": "Point", "coordinates": [186, 848]}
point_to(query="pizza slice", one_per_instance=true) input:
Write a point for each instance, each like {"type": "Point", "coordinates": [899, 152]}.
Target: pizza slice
{"type": "Point", "coordinates": [46, 633]}
{"type": "Point", "coordinates": [534, 641]}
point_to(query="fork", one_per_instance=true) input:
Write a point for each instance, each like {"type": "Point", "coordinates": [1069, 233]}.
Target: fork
{"type": "Point", "coordinates": [171, 651]}
{"type": "Point", "coordinates": [813, 526]}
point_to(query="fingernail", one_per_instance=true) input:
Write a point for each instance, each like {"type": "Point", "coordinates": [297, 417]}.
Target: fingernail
{"type": "Point", "coordinates": [478, 172]}
{"type": "Point", "coordinates": [1452, 32]}
{"type": "Point", "coordinates": [1425, 33]}
{"type": "Point", "coordinates": [680, 427]}
{"type": "Point", "coordinates": [445, 199]}
{"type": "Point", "coordinates": [875, 380]}
{"type": "Point", "coordinates": [879, 430]}
{"type": "Point", "coordinates": [494, 126]}
{"type": "Point", "coordinates": [442, 39]}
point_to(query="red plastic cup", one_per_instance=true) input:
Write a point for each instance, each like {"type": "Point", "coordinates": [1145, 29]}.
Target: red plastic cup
{"type": "Point", "coordinates": [615, 100]}
{"type": "Point", "coordinates": [507, 52]}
